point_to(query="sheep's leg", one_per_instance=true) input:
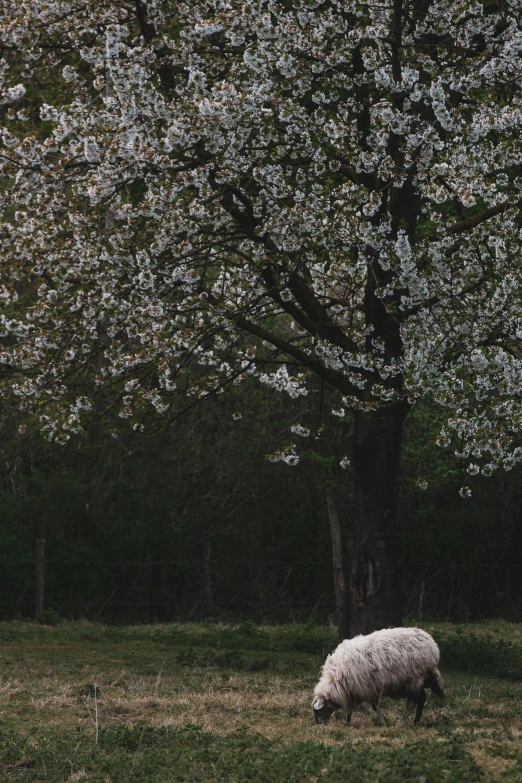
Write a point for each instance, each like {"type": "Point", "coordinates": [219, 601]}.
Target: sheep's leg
{"type": "Point", "coordinates": [348, 718]}
{"type": "Point", "coordinates": [421, 701]}
{"type": "Point", "coordinates": [378, 720]}
{"type": "Point", "coordinates": [410, 704]}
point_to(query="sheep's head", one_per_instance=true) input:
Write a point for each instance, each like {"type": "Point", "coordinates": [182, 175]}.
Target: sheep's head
{"type": "Point", "coordinates": [323, 709]}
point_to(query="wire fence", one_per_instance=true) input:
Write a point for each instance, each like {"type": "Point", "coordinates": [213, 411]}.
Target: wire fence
{"type": "Point", "coordinates": [150, 590]}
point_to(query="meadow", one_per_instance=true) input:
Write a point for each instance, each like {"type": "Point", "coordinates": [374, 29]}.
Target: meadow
{"type": "Point", "coordinates": [209, 702]}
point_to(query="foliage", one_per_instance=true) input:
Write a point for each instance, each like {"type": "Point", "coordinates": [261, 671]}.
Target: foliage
{"type": "Point", "coordinates": [214, 190]}
{"type": "Point", "coordinates": [455, 547]}
{"type": "Point", "coordinates": [482, 654]}
{"type": "Point", "coordinates": [313, 194]}
{"type": "Point", "coordinates": [125, 524]}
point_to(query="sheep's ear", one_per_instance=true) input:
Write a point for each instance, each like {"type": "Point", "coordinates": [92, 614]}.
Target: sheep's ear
{"type": "Point", "coordinates": [319, 704]}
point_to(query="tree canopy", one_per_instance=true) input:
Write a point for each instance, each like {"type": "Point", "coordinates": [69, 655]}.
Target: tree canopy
{"type": "Point", "coordinates": [220, 184]}
{"type": "Point", "coordinates": [197, 193]}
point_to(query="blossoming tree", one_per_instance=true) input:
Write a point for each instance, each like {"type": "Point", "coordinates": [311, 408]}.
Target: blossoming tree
{"type": "Point", "coordinates": [190, 188]}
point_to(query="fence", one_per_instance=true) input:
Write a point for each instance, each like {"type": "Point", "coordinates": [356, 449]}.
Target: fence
{"type": "Point", "coordinates": [269, 590]}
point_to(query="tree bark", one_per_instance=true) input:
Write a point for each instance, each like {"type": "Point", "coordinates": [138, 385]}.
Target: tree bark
{"type": "Point", "coordinates": [375, 582]}
{"type": "Point", "coordinates": [206, 579]}
{"type": "Point", "coordinates": [40, 575]}
{"type": "Point", "coordinates": [341, 597]}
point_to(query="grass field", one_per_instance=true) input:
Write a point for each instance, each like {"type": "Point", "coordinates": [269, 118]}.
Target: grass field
{"type": "Point", "coordinates": [208, 702]}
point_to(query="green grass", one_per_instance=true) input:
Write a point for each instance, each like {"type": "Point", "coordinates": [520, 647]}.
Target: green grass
{"type": "Point", "coordinates": [209, 702]}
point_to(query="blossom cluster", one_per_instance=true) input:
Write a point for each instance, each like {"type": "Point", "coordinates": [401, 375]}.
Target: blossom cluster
{"type": "Point", "coordinates": [214, 186]}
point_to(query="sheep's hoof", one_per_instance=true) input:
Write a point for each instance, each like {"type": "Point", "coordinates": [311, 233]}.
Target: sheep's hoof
{"type": "Point", "coordinates": [377, 722]}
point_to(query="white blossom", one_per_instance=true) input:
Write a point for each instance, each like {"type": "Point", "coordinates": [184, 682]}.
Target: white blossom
{"type": "Point", "coordinates": [402, 246]}
{"type": "Point", "coordinates": [287, 455]}
{"type": "Point", "coordinates": [13, 94]}
{"type": "Point", "coordinates": [298, 429]}
{"type": "Point", "coordinates": [91, 150]}
{"type": "Point", "coordinates": [212, 201]}
{"type": "Point", "coordinates": [282, 381]}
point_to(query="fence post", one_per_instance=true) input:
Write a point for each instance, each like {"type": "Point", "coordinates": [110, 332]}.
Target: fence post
{"type": "Point", "coordinates": [40, 574]}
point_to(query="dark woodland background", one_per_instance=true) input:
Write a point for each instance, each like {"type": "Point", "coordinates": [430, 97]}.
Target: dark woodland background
{"type": "Point", "coordinates": [194, 521]}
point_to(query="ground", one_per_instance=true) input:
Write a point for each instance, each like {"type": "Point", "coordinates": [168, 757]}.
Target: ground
{"type": "Point", "coordinates": [221, 703]}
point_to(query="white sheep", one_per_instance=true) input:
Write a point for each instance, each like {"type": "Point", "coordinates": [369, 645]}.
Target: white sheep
{"type": "Point", "coordinates": [395, 662]}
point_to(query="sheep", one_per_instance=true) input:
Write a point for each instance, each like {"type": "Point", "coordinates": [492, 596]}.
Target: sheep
{"type": "Point", "coordinates": [395, 662]}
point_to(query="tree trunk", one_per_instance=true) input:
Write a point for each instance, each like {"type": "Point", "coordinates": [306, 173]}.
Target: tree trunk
{"type": "Point", "coordinates": [39, 575]}
{"type": "Point", "coordinates": [375, 586]}
{"type": "Point", "coordinates": [206, 579]}
{"type": "Point", "coordinates": [341, 597]}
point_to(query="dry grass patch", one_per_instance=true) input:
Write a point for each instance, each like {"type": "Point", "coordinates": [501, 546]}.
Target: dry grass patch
{"type": "Point", "coordinates": [492, 764]}
{"type": "Point", "coordinates": [231, 704]}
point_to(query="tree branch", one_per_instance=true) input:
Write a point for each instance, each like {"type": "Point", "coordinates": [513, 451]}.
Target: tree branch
{"type": "Point", "coordinates": [339, 382]}
{"type": "Point", "coordinates": [471, 222]}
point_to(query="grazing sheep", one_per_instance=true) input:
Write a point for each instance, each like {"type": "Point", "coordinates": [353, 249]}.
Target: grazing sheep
{"type": "Point", "coordinates": [395, 662]}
